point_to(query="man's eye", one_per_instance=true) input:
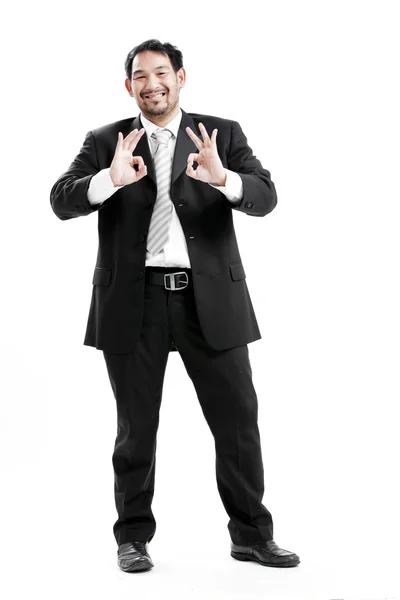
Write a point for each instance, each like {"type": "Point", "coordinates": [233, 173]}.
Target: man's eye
{"type": "Point", "coordinates": [161, 73]}
{"type": "Point", "coordinates": [138, 78]}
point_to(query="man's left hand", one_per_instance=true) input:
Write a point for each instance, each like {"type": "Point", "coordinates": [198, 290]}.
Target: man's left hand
{"type": "Point", "coordinates": [210, 168]}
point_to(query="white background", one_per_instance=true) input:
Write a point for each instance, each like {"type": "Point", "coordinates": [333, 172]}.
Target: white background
{"type": "Point", "coordinates": [314, 86]}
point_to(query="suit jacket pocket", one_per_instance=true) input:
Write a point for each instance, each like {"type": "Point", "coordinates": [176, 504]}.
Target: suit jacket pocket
{"type": "Point", "coordinates": [101, 276]}
{"type": "Point", "coordinates": [237, 271]}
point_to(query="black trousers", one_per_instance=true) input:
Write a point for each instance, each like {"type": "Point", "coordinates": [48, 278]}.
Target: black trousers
{"type": "Point", "coordinates": [223, 384]}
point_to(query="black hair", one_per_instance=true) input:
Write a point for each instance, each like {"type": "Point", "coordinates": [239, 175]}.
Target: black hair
{"type": "Point", "coordinates": [175, 55]}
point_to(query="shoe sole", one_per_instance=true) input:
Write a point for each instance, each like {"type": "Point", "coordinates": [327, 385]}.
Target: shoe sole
{"type": "Point", "coordinates": [244, 557]}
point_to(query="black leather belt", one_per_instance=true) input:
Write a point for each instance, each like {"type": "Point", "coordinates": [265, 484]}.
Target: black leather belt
{"type": "Point", "coordinates": [170, 279]}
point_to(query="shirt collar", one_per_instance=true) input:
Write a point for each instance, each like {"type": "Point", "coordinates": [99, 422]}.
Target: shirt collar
{"type": "Point", "coordinates": [173, 125]}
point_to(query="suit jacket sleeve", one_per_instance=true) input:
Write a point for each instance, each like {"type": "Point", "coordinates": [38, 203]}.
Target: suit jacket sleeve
{"type": "Point", "coordinates": [68, 196]}
{"type": "Point", "coordinates": [259, 194]}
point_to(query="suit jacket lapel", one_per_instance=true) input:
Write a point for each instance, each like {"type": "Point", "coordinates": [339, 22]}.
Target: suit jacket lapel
{"type": "Point", "coordinates": [184, 146]}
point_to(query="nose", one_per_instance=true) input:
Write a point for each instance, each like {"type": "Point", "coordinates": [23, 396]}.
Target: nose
{"type": "Point", "coordinates": [152, 82]}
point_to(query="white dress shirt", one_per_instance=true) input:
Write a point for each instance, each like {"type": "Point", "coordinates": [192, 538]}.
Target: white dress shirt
{"type": "Point", "coordinates": [175, 252]}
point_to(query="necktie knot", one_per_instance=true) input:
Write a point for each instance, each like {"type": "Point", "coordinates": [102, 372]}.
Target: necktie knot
{"type": "Point", "coordinates": [162, 136]}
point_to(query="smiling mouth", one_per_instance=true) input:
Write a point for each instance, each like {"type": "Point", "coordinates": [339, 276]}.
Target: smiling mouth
{"type": "Point", "coordinates": [156, 96]}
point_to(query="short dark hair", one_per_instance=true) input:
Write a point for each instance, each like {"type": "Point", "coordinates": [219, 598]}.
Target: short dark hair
{"type": "Point", "coordinates": [175, 55]}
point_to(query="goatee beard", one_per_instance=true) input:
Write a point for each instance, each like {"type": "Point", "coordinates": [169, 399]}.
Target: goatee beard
{"type": "Point", "coordinates": [159, 111]}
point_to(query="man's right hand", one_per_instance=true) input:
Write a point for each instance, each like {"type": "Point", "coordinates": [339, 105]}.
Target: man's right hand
{"type": "Point", "coordinates": [122, 170]}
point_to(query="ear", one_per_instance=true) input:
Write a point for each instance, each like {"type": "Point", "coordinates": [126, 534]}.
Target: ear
{"type": "Point", "coordinates": [128, 86]}
{"type": "Point", "coordinates": [181, 74]}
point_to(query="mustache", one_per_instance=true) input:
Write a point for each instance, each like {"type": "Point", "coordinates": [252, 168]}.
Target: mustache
{"type": "Point", "coordinates": [153, 92]}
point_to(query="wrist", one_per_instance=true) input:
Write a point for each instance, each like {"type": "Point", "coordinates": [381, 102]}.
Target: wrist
{"type": "Point", "coordinates": [113, 180]}
{"type": "Point", "coordinates": [221, 181]}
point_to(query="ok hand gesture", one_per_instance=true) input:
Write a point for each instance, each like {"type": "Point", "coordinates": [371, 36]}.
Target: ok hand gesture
{"type": "Point", "coordinates": [210, 168]}
{"type": "Point", "coordinates": [122, 171]}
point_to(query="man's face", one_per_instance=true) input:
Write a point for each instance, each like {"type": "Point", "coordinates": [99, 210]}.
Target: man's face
{"type": "Point", "coordinates": [154, 84]}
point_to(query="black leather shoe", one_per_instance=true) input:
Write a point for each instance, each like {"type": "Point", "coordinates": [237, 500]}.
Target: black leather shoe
{"type": "Point", "coordinates": [266, 553]}
{"type": "Point", "coordinates": [133, 556]}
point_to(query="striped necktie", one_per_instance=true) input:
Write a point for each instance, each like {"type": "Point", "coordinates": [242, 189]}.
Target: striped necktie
{"type": "Point", "coordinates": [162, 212]}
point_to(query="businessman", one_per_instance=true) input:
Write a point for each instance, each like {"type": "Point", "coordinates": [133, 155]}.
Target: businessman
{"type": "Point", "coordinates": [169, 277]}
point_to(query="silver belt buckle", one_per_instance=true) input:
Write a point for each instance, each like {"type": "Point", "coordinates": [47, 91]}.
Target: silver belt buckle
{"type": "Point", "coordinates": [172, 280]}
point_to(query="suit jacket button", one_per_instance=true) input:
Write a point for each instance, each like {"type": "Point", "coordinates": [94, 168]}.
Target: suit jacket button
{"type": "Point", "coordinates": [142, 238]}
{"type": "Point", "coordinates": [249, 204]}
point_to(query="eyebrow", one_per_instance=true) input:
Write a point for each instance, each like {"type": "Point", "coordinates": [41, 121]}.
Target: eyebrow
{"type": "Point", "coordinates": [142, 70]}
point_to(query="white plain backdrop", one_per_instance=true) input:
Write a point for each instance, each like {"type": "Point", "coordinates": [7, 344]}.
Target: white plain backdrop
{"type": "Point", "coordinates": [314, 86]}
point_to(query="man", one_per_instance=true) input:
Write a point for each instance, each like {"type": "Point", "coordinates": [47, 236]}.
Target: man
{"type": "Point", "coordinates": [169, 277]}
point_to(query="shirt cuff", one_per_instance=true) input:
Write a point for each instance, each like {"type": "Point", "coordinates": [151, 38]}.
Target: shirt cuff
{"type": "Point", "coordinates": [101, 187]}
{"type": "Point", "coordinates": [233, 188]}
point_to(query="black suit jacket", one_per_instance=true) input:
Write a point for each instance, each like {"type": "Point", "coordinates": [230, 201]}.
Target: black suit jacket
{"type": "Point", "coordinates": [223, 303]}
